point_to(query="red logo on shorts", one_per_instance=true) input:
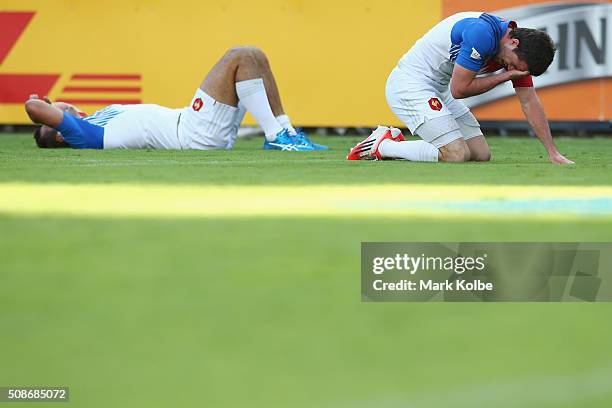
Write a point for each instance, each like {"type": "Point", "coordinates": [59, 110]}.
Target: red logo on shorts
{"type": "Point", "coordinates": [435, 104]}
{"type": "Point", "coordinates": [197, 104]}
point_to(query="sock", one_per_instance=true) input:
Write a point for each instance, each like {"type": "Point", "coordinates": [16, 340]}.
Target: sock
{"type": "Point", "coordinates": [418, 150]}
{"type": "Point", "coordinates": [284, 121]}
{"type": "Point", "coordinates": [252, 94]}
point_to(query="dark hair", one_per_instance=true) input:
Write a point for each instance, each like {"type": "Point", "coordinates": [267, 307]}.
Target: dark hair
{"type": "Point", "coordinates": [48, 139]}
{"type": "Point", "coordinates": [535, 47]}
{"type": "Point", "coordinates": [39, 141]}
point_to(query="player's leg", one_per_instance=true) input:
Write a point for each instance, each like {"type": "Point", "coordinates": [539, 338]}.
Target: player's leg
{"type": "Point", "coordinates": [244, 74]}
{"type": "Point", "coordinates": [276, 105]}
{"type": "Point", "coordinates": [469, 128]}
{"type": "Point", "coordinates": [443, 132]}
{"type": "Point", "coordinates": [272, 91]}
{"type": "Point", "coordinates": [220, 82]}
{"type": "Point", "coordinates": [249, 69]}
{"type": "Point", "coordinates": [456, 151]}
{"type": "Point", "coordinates": [420, 109]}
{"type": "Point", "coordinates": [442, 141]}
{"type": "Point", "coordinates": [269, 81]}
{"type": "Point", "coordinates": [479, 149]}
{"type": "Point", "coordinates": [241, 64]}
{"type": "Point", "coordinates": [382, 144]}
{"type": "Point", "coordinates": [240, 75]}
{"type": "Point", "coordinates": [472, 134]}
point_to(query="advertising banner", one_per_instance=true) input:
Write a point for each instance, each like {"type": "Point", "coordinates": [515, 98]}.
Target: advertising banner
{"type": "Point", "coordinates": [331, 60]}
{"type": "Point", "coordinates": [578, 85]}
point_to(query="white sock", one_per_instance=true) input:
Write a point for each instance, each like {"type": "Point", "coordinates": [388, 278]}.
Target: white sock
{"type": "Point", "coordinates": [252, 94]}
{"type": "Point", "coordinates": [418, 150]}
{"type": "Point", "coordinates": [285, 122]}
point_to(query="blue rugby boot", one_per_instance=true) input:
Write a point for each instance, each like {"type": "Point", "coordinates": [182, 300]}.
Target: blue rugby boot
{"type": "Point", "coordinates": [284, 141]}
{"type": "Point", "coordinates": [302, 139]}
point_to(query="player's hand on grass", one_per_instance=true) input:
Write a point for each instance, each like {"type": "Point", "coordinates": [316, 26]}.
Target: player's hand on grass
{"type": "Point", "coordinates": [558, 158]}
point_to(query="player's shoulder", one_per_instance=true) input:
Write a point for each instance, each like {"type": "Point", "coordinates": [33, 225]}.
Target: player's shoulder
{"type": "Point", "coordinates": [480, 35]}
{"type": "Point", "coordinates": [479, 27]}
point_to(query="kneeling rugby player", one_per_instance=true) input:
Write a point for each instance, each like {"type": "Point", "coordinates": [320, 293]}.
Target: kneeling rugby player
{"type": "Point", "coordinates": [444, 66]}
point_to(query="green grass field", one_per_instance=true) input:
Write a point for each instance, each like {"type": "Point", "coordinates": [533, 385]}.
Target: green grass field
{"type": "Point", "coordinates": [159, 303]}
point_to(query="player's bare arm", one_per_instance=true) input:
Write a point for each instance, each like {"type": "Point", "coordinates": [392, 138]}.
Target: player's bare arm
{"type": "Point", "coordinates": [464, 82]}
{"type": "Point", "coordinates": [43, 112]}
{"type": "Point", "coordinates": [66, 107]}
{"type": "Point", "coordinates": [534, 112]}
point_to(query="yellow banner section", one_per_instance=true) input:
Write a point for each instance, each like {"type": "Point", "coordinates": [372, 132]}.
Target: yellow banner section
{"type": "Point", "coordinates": [331, 58]}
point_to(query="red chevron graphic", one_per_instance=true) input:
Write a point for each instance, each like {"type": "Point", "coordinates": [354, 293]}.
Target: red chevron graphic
{"type": "Point", "coordinates": [12, 25]}
{"type": "Point", "coordinates": [15, 88]}
{"type": "Point", "coordinates": [127, 93]}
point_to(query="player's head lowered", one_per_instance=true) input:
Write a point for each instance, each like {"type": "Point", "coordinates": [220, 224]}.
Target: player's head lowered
{"type": "Point", "coordinates": [527, 49]}
{"type": "Point", "coordinates": [49, 138]}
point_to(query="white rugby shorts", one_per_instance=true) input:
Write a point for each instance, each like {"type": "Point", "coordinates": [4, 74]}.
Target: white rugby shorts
{"type": "Point", "coordinates": [208, 124]}
{"type": "Point", "coordinates": [429, 111]}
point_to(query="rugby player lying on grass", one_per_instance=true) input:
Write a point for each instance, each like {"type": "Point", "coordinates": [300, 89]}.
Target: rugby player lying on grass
{"type": "Point", "coordinates": [442, 67]}
{"type": "Point", "coordinates": [241, 81]}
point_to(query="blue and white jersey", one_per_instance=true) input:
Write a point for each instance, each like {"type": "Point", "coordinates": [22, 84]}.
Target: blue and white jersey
{"type": "Point", "coordinates": [103, 116]}
{"type": "Point", "coordinates": [137, 126]}
{"type": "Point", "coordinates": [469, 39]}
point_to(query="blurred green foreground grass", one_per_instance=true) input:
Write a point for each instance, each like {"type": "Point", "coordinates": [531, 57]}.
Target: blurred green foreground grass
{"type": "Point", "coordinates": [253, 312]}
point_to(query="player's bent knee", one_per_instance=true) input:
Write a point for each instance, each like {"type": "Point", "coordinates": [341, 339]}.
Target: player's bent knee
{"type": "Point", "coordinates": [454, 157]}
{"type": "Point", "coordinates": [483, 156]}
{"type": "Point", "coordinates": [455, 152]}
{"type": "Point", "coordinates": [257, 52]}
{"type": "Point", "coordinates": [246, 55]}
{"type": "Point", "coordinates": [237, 52]}
{"type": "Point", "coordinates": [245, 49]}
{"type": "Point", "coordinates": [232, 52]}
{"type": "Point", "coordinates": [479, 148]}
